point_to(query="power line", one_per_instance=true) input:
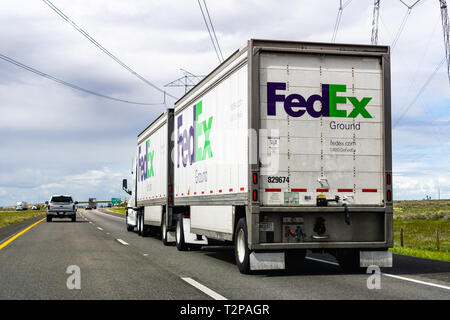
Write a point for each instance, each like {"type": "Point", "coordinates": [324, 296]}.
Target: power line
{"type": "Point", "coordinates": [212, 27]}
{"type": "Point", "coordinates": [402, 25]}
{"type": "Point", "coordinates": [419, 92]}
{"type": "Point", "coordinates": [86, 35]}
{"type": "Point", "coordinates": [338, 18]}
{"type": "Point", "coordinates": [73, 86]}
{"type": "Point", "coordinates": [209, 31]}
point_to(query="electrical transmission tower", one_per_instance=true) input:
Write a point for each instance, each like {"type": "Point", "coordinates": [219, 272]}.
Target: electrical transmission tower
{"type": "Point", "coordinates": [376, 14]}
{"type": "Point", "coordinates": [445, 26]}
{"type": "Point", "coordinates": [187, 81]}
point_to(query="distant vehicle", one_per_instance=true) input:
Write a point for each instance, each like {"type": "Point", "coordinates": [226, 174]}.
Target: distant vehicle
{"type": "Point", "coordinates": [88, 208]}
{"type": "Point", "coordinates": [21, 205]}
{"type": "Point", "coordinates": [34, 208]}
{"type": "Point", "coordinates": [93, 203]}
{"type": "Point", "coordinates": [61, 206]}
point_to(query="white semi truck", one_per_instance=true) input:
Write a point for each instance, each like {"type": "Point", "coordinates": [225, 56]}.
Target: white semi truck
{"type": "Point", "coordinates": [21, 205]}
{"type": "Point", "coordinates": [284, 147]}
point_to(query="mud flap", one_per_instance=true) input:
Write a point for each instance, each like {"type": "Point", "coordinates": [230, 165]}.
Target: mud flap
{"type": "Point", "coordinates": [170, 236]}
{"type": "Point", "coordinates": [267, 261]}
{"type": "Point", "coordinates": [376, 258]}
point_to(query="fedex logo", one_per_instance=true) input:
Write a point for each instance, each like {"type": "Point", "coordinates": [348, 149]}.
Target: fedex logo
{"type": "Point", "coordinates": [296, 105]}
{"type": "Point", "coordinates": [188, 139]}
{"type": "Point", "coordinates": [145, 165]}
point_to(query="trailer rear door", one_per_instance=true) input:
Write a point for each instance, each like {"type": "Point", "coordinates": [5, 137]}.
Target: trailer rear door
{"type": "Point", "coordinates": [322, 129]}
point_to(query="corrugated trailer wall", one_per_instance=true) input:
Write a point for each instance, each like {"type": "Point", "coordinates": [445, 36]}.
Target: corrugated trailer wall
{"type": "Point", "coordinates": [317, 140]}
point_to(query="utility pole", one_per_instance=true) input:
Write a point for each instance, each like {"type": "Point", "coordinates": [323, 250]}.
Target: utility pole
{"type": "Point", "coordinates": [376, 14]}
{"type": "Point", "coordinates": [445, 27]}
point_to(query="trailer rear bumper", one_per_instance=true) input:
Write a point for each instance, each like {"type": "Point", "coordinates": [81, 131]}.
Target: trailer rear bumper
{"type": "Point", "coordinates": [319, 245]}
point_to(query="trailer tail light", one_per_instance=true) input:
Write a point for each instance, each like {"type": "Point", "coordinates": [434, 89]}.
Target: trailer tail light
{"type": "Point", "coordinates": [170, 188]}
{"type": "Point", "coordinates": [255, 178]}
{"type": "Point", "coordinates": [255, 195]}
{"type": "Point", "coordinates": [388, 179]}
{"type": "Point", "coordinates": [170, 198]}
{"type": "Point", "coordinates": [389, 195]}
{"type": "Point", "coordinates": [48, 207]}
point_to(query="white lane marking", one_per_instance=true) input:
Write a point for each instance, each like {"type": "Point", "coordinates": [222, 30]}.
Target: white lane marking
{"type": "Point", "coordinates": [145, 254]}
{"type": "Point", "coordinates": [324, 261]}
{"type": "Point", "coordinates": [99, 228]}
{"type": "Point", "coordinates": [416, 281]}
{"type": "Point", "coordinates": [391, 275]}
{"type": "Point", "coordinates": [122, 242]}
{"type": "Point", "coordinates": [204, 289]}
{"type": "Point", "coordinates": [90, 222]}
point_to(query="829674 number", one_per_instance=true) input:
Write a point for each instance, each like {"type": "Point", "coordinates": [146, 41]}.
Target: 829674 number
{"type": "Point", "coordinates": [277, 179]}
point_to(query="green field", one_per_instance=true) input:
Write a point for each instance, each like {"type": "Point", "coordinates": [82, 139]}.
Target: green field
{"type": "Point", "coordinates": [419, 220]}
{"type": "Point", "coordinates": [118, 210]}
{"type": "Point", "coordinates": [11, 217]}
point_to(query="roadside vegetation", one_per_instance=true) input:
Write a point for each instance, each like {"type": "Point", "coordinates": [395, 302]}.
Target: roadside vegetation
{"type": "Point", "coordinates": [425, 225]}
{"type": "Point", "coordinates": [11, 217]}
{"type": "Point", "coordinates": [118, 210]}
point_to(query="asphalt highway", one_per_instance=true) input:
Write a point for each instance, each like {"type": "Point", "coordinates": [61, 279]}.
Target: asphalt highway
{"type": "Point", "coordinates": [116, 264]}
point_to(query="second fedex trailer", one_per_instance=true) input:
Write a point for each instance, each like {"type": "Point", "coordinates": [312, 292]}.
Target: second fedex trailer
{"type": "Point", "coordinates": [285, 147]}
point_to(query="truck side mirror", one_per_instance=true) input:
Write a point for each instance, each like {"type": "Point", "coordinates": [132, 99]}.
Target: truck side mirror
{"type": "Point", "coordinates": [124, 184]}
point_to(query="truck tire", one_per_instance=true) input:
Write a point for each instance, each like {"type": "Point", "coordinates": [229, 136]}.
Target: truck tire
{"type": "Point", "coordinates": [348, 260]}
{"type": "Point", "coordinates": [179, 235]}
{"type": "Point", "coordinates": [164, 230]}
{"type": "Point", "coordinates": [241, 251]}
{"type": "Point", "coordinates": [74, 219]}
{"type": "Point", "coordinates": [49, 219]}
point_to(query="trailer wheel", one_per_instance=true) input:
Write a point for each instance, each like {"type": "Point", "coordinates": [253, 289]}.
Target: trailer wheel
{"type": "Point", "coordinates": [129, 227]}
{"type": "Point", "coordinates": [241, 251]}
{"type": "Point", "coordinates": [164, 231]}
{"type": "Point", "coordinates": [179, 235]}
{"type": "Point", "coordinates": [139, 224]}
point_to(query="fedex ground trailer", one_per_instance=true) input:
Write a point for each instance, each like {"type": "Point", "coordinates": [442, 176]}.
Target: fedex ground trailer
{"type": "Point", "coordinates": [284, 147]}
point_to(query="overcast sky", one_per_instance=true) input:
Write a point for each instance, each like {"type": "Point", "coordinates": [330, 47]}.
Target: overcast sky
{"type": "Point", "coordinates": [54, 139]}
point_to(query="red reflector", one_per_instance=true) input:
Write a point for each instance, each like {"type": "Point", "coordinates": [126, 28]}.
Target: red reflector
{"type": "Point", "coordinates": [273, 190]}
{"type": "Point", "coordinates": [242, 189]}
{"type": "Point", "coordinates": [255, 178]}
{"type": "Point", "coordinates": [369, 190]}
{"type": "Point", "coordinates": [345, 190]}
{"type": "Point", "coordinates": [231, 190]}
{"type": "Point", "coordinates": [255, 195]}
{"type": "Point", "coordinates": [210, 191]}
{"type": "Point", "coordinates": [322, 190]}
{"type": "Point", "coordinates": [299, 190]}
{"type": "Point", "coordinates": [388, 179]}
{"type": "Point", "coordinates": [170, 188]}
{"type": "Point", "coordinates": [389, 195]}
{"type": "Point", "coordinates": [203, 192]}
{"type": "Point", "coordinates": [170, 198]}
{"type": "Point", "coordinates": [220, 190]}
